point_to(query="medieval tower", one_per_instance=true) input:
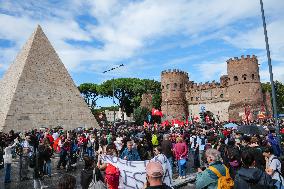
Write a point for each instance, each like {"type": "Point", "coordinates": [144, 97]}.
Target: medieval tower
{"type": "Point", "coordinates": [233, 97]}
{"type": "Point", "coordinates": [174, 104]}
{"type": "Point", "coordinates": [244, 86]}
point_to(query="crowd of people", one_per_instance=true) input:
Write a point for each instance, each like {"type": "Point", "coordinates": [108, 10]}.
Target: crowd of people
{"type": "Point", "coordinates": [219, 156]}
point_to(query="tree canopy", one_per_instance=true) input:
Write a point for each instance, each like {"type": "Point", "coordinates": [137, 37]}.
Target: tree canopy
{"type": "Point", "coordinates": [90, 92]}
{"type": "Point", "coordinates": [279, 90]}
{"type": "Point", "coordinates": [128, 92]}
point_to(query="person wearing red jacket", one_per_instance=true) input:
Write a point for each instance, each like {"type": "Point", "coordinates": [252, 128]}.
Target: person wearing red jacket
{"type": "Point", "coordinates": [181, 154]}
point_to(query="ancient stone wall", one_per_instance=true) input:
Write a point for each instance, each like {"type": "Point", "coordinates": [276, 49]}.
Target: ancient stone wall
{"type": "Point", "coordinates": [219, 109]}
{"type": "Point", "coordinates": [267, 103]}
{"type": "Point", "coordinates": [238, 89]}
{"type": "Point", "coordinates": [146, 101]}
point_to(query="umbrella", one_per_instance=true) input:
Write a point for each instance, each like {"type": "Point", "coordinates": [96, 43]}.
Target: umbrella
{"type": "Point", "coordinates": [251, 129]}
{"type": "Point", "coordinates": [231, 125]}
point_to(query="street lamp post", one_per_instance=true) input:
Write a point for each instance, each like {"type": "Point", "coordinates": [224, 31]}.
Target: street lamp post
{"type": "Point", "coordinates": [270, 69]}
{"type": "Point", "coordinates": [121, 65]}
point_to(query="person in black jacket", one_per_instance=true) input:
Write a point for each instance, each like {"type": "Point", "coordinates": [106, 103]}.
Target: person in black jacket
{"type": "Point", "coordinates": [87, 172]}
{"type": "Point", "coordinates": [257, 151]}
{"type": "Point", "coordinates": [167, 149]}
{"type": "Point", "coordinates": [250, 177]}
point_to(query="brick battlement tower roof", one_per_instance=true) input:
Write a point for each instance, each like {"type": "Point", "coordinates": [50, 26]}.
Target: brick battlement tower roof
{"type": "Point", "coordinates": [38, 91]}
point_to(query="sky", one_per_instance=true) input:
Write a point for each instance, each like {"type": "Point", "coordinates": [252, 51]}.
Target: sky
{"type": "Point", "coordinates": [147, 36]}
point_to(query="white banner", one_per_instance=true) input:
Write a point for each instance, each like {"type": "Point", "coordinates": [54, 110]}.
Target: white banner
{"type": "Point", "coordinates": [133, 173]}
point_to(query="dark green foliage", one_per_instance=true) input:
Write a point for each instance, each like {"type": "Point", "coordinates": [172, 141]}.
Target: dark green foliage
{"type": "Point", "coordinates": [140, 115]}
{"type": "Point", "coordinates": [279, 90]}
{"type": "Point", "coordinates": [157, 100]}
{"type": "Point", "coordinates": [90, 92]}
{"type": "Point", "coordinates": [128, 92]}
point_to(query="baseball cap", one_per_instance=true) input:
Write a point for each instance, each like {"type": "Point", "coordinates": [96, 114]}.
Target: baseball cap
{"type": "Point", "coordinates": [154, 169]}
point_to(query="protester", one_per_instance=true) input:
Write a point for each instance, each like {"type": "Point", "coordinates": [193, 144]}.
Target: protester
{"type": "Point", "coordinates": [8, 160]}
{"type": "Point", "coordinates": [64, 149]}
{"type": "Point", "coordinates": [160, 157]}
{"type": "Point", "coordinates": [112, 173]}
{"type": "Point", "coordinates": [250, 176]}
{"type": "Point", "coordinates": [274, 143]}
{"type": "Point", "coordinates": [154, 176]}
{"type": "Point", "coordinates": [257, 151]}
{"type": "Point", "coordinates": [178, 145]}
{"type": "Point", "coordinates": [208, 178]}
{"type": "Point", "coordinates": [181, 154]}
{"type": "Point", "coordinates": [167, 149]}
{"type": "Point", "coordinates": [87, 173]}
{"type": "Point", "coordinates": [25, 158]}
{"type": "Point", "coordinates": [130, 153]}
{"type": "Point", "coordinates": [273, 165]}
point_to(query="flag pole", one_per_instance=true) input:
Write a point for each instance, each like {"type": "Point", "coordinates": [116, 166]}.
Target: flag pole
{"type": "Point", "coordinates": [270, 70]}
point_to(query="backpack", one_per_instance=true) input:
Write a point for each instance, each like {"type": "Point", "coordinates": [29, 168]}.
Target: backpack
{"type": "Point", "coordinates": [155, 141]}
{"type": "Point", "coordinates": [112, 176]}
{"type": "Point", "coordinates": [282, 165]}
{"type": "Point", "coordinates": [224, 182]}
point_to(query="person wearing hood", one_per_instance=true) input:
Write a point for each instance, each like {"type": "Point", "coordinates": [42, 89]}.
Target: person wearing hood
{"type": "Point", "coordinates": [275, 144]}
{"type": "Point", "coordinates": [251, 177]}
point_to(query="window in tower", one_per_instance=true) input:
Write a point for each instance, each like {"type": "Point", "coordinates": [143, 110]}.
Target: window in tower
{"type": "Point", "coordinates": [244, 76]}
{"type": "Point", "coordinates": [175, 85]}
{"type": "Point", "coordinates": [252, 76]}
{"type": "Point", "coordinates": [236, 78]}
{"type": "Point", "coordinates": [168, 86]}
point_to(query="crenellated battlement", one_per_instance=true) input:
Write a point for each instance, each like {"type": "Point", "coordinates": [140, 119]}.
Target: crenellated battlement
{"type": "Point", "coordinates": [174, 72]}
{"type": "Point", "coordinates": [248, 59]}
{"type": "Point", "coordinates": [204, 86]}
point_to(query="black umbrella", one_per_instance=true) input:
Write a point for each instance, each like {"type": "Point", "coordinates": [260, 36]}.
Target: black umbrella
{"type": "Point", "coordinates": [251, 129]}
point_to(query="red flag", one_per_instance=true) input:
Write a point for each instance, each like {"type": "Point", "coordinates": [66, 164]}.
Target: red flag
{"type": "Point", "coordinates": [145, 124]}
{"type": "Point", "coordinates": [156, 112]}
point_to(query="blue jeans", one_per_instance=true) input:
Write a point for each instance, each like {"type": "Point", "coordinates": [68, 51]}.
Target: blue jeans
{"type": "Point", "coordinates": [181, 169]}
{"type": "Point", "coordinates": [48, 167]}
{"type": "Point", "coordinates": [8, 172]}
{"type": "Point", "coordinates": [90, 151]}
{"type": "Point", "coordinates": [171, 162]}
{"type": "Point", "coordinates": [279, 185]}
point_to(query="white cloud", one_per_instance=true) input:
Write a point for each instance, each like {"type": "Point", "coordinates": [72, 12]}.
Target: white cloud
{"type": "Point", "coordinates": [278, 73]}
{"type": "Point", "coordinates": [210, 70]}
{"type": "Point", "coordinates": [128, 27]}
{"type": "Point", "coordinates": [254, 39]}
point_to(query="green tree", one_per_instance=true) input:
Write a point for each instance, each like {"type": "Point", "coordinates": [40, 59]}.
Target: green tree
{"type": "Point", "coordinates": [90, 92]}
{"type": "Point", "coordinates": [140, 115]}
{"type": "Point", "coordinates": [279, 90]}
{"type": "Point", "coordinates": [123, 91]}
{"type": "Point", "coordinates": [128, 91]}
{"type": "Point", "coordinates": [157, 100]}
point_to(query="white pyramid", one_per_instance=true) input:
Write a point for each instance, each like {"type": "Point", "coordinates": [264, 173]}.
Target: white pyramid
{"type": "Point", "coordinates": [37, 91]}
